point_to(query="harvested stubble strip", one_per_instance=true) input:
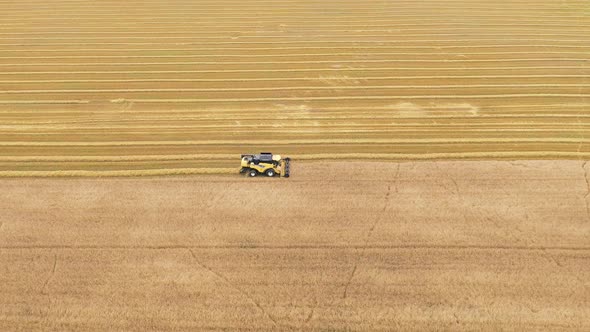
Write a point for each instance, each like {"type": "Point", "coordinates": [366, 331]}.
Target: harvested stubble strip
{"type": "Point", "coordinates": [119, 158]}
{"type": "Point", "coordinates": [119, 173]}
{"type": "Point", "coordinates": [388, 156]}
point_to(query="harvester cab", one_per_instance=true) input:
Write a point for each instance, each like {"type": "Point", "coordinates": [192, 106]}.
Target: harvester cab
{"type": "Point", "coordinates": [265, 163]}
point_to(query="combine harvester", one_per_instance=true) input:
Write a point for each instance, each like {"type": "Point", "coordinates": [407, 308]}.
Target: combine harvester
{"type": "Point", "coordinates": [265, 163]}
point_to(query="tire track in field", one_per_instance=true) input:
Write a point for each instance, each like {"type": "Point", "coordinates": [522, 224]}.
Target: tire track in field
{"type": "Point", "coordinates": [532, 248]}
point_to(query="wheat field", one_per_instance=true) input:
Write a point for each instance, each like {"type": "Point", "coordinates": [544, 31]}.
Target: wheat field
{"type": "Point", "coordinates": [379, 228]}
{"type": "Point", "coordinates": [177, 87]}
{"type": "Point", "coordinates": [339, 246]}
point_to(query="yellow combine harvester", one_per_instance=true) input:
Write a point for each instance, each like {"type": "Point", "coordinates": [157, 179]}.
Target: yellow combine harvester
{"type": "Point", "coordinates": [265, 163]}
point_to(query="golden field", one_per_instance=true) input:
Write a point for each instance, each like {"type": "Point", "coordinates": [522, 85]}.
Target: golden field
{"type": "Point", "coordinates": [177, 87]}
{"type": "Point", "coordinates": [379, 228]}
{"type": "Point", "coordinates": [339, 246]}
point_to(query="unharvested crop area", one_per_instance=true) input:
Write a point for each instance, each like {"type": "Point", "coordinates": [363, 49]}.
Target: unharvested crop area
{"type": "Point", "coordinates": [157, 87]}
{"type": "Point", "coordinates": [355, 246]}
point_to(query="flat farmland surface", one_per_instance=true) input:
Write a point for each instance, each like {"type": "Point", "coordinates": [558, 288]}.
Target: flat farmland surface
{"type": "Point", "coordinates": [473, 245]}
{"type": "Point", "coordinates": [160, 87]}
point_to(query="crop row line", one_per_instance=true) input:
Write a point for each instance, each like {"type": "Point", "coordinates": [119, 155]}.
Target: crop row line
{"type": "Point", "coordinates": [581, 129]}
{"type": "Point", "coordinates": [297, 88]}
{"type": "Point", "coordinates": [306, 37]}
{"type": "Point", "coordinates": [48, 64]}
{"type": "Point", "coordinates": [293, 70]}
{"type": "Point", "coordinates": [306, 15]}
{"type": "Point", "coordinates": [282, 36]}
{"type": "Point", "coordinates": [146, 8]}
{"type": "Point", "coordinates": [265, 29]}
{"type": "Point", "coordinates": [319, 22]}
{"type": "Point", "coordinates": [297, 109]}
{"type": "Point", "coordinates": [464, 115]}
{"type": "Point", "coordinates": [270, 79]}
{"type": "Point", "coordinates": [249, 55]}
{"type": "Point", "coordinates": [384, 156]}
{"type": "Point", "coordinates": [263, 99]}
{"type": "Point", "coordinates": [348, 47]}
{"type": "Point", "coordinates": [336, 79]}
{"type": "Point", "coordinates": [353, 43]}
{"type": "Point", "coordinates": [343, 69]}
{"type": "Point", "coordinates": [266, 2]}
{"type": "Point", "coordinates": [442, 25]}
{"type": "Point", "coordinates": [242, 247]}
{"type": "Point", "coordinates": [473, 140]}
{"type": "Point", "coordinates": [296, 124]}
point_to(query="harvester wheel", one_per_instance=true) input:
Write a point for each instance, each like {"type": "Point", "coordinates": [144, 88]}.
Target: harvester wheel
{"type": "Point", "coordinates": [252, 173]}
{"type": "Point", "coordinates": [270, 172]}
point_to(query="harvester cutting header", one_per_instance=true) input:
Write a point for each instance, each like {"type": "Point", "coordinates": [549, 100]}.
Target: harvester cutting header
{"type": "Point", "coordinates": [265, 163]}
